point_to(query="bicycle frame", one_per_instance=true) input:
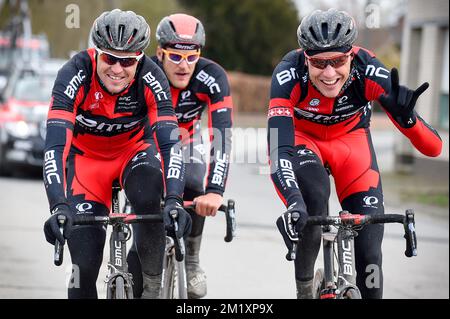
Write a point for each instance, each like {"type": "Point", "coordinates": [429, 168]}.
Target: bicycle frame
{"type": "Point", "coordinates": [117, 265]}
{"type": "Point", "coordinates": [343, 242]}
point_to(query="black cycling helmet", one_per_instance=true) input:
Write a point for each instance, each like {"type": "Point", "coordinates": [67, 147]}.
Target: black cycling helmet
{"type": "Point", "coordinates": [326, 30]}
{"type": "Point", "coordinates": [121, 30]}
{"type": "Point", "coordinates": [181, 31]}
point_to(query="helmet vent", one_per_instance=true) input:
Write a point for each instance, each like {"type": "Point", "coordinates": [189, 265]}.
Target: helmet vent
{"type": "Point", "coordinates": [336, 32]}
{"type": "Point", "coordinates": [121, 28]}
{"type": "Point", "coordinates": [132, 36]}
{"type": "Point", "coordinates": [325, 30]}
{"type": "Point", "coordinates": [108, 31]}
{"type": "Point", "coordinates": [313, 33]}
{"type": "Point", "coordinates": [172, 26]}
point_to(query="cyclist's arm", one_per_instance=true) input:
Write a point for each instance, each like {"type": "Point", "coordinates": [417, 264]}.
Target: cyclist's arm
{"type": "Point", "coordinates": [424, 137]}
{"type": "Point", "coordinates": [220, 108]}
{"type": "Point", "coordinates": [66, 95]}
{"type": "Point", "coordinates": [165, 128]}
{"type": "Point", "coordinates": [281, 136]}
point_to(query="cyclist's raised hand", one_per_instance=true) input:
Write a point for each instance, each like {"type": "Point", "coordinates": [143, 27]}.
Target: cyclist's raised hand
{"type": "Point", "coordinates": [51, 226]}
{"type": "Point", "coordinates": [183, 218]}
{"type": "Point", "coordinates": [290, 224]}
{"type": "Point", "coordinates": [400, 101]}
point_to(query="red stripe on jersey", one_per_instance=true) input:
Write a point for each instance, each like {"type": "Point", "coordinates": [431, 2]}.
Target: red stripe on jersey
{"type": "Point", "coordinates": [175, 94]}
{"type": "Point", "coordinates": [276, 102]}
{"type": "Point", "coordinates": [167, 118]}
{"type": "Point", "coordinates": [357, 49]}
{"type": "Point", "coordinates": [151, 104]}
{"type": "Point", "coordinates": [226, 103]}
{"type": "Point", "coordinates": [291, 102]}
{"type": "Point", "coordinates": [373, 90]}
{"type": "Point", "coordinates": [61, 115]}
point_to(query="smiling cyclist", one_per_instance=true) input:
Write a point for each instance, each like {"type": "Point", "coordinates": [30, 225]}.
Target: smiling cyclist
{"type": "Point", "coordinates": [320, 108]}
{"type": "Point", "coordinates": [111, 118]}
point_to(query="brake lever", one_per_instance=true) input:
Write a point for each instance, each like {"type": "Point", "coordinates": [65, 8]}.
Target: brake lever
{"type": "Point", "coordinates": [410, 234]}
{"type": "Point", "coordinates": [59, 248]}
{"type": "Point", "coordinates": [179, 242]}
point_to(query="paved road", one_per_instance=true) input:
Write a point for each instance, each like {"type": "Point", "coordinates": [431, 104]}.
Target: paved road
{"type": "Point", "coordinates": [252, 266]}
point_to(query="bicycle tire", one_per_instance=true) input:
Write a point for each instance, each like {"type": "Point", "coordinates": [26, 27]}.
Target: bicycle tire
{"type": "Point", "coordinates": [181, 280]}
{"type": "Point", "coordinates": [351, 293]}
{"type": "Point", "coordinates": [318, 283]}
{"type": "Point", "coordinates": [169, 279]}
{"type": "Point", "coordinates": [119, 289]}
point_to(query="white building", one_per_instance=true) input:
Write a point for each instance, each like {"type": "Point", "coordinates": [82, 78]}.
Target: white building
{"type": "Point", "coordinates": [425, 58]}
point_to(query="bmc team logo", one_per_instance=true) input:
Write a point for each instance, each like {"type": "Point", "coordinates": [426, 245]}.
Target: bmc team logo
{"type": "Point", "coordinates": [209, 81]}
{"type": "Point", "coordinates": [286, 76]}
{"type": "Point", "coordinates": [378, 72]}
{"type": "Point", "coordinates": [74, 84]}
{"type": "Point", "coordinates": [314, 102]}
{"type": "Point", "coordinates": [155, 85]}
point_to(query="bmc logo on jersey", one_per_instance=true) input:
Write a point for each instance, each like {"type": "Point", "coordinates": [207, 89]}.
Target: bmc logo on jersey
{"type": "Point", "coordinates": [372, 70]}
{"type": "Point", "coordinates": [74, 84]}
{"type": "Point", "coordinates": [155, 85]}
{"type": "Point", "coordinates": [286, 76]}
{"type": "Point", "coordinates": [209, 81]}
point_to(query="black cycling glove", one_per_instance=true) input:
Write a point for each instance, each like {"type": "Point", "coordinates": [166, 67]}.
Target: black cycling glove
{"type": "Point", "coordinates": [291, 224]}
{"type": "Point", "coordinates": [183, 218]}
{"type": "Point", "coordinates": [400, 101]}
{"type": "Point", "coordinates": [51, 226]}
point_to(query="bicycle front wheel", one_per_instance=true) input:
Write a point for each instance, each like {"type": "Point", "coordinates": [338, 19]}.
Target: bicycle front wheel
{"type": "Point", "coordinates": [318, 283]}
{"type": "Point", "coordinates": [169, 277]}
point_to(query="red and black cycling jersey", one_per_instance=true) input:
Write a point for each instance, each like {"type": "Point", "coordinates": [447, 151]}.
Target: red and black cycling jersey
{"type": "Point", "coordinates": [297, 106]}
{"type": "Point", "coordinates": [208, 89]}
{"type": "Point", "coordinates": [85, 117]}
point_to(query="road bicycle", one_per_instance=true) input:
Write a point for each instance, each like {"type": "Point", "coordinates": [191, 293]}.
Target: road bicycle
{"type": "Point", "coordinates": [119, 282]}
{"type": "Point", "coordinates": [174, 283]}
{"type": "Point", "coordinates": [338, 234]}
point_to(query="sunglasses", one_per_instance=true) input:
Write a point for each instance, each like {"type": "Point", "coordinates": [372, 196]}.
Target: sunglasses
{"type": "Point", "coordinates": [176, 57]}
{"type": "Point", "coordinates": [124, 61]}
{"type": "Point", "coordinates": [335, 61]}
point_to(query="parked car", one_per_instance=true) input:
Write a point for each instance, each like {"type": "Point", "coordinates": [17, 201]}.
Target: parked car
{"type": "Point", "coordinates": [23, 112]}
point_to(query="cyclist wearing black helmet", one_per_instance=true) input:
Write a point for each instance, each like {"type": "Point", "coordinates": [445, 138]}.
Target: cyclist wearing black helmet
{"type": "Point", "coordinates": [196, 84]}
{"type": "Point", "coordinates": [320, 108]}
{"type": "Point", "coordinates": [111, 118]}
